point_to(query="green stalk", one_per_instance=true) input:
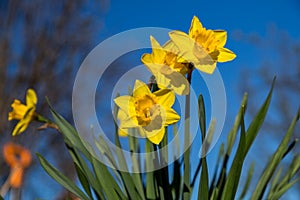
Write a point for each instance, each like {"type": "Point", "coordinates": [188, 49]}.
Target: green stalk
{"type": "Point", "coordinates": [186, 156]}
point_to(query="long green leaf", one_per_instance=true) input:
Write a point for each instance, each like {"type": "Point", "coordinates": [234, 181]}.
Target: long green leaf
{"type": "Point", "coordinates": [203, 190]}
{"type": "Point", "coordinates": [134, 192]}
{"type": "Point", "coordinates": [203, 184]}
{"type": "Point", "coordinates": [274, 161]}
{"type": "Point", "coordinates": [110, 186]}
{"type": "Point", "coordinates": [233, 178]}
{"type": "Point", "coordinates": [60, 178]}
{"type": "Point", "coordinates": [258, 120]}
{"type": "Point", "coordinates": [248, 181]}
{"type": "Point", "coordinates": [233, 132]}
{"type": "Point", "coordinates": [278, 194]}
{"type": "Point", "coordinates": [151, 184]}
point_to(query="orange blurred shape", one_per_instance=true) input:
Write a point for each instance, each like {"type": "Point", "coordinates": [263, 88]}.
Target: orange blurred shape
{"type": "Point", "coordinates": [18, 158]}
{"type": "Point", "coordinates": [16, 177]}
{"type": "Point", "coordinates": [16, 155]}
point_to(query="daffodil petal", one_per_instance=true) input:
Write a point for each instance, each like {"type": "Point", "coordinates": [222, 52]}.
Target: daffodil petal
{"type": "Point", "coordinates": [158, 54]}
{"type": "Point", "coordinates": [123, 102]}
{"type": "Point", "coordinates": [221, 36]}
{"type": "Point", "coordinates": [195, 26]}
{"type": "Point", "coordinates": [157, 137]}
{"type": "Point", "coordinates": [166, 97]}
{"type": "Point", "coordinates": [209, 69]}
{"type": "Point", "coordinates": [21, 126]}
{"type": "Point", "coordinates": [140, 89]}
{"type": "Point", "coordinates": [225, 55]}
{"type": "Point", "coordinates": [130, 122]}
{"type": "Point", "coordinates": [123, 132]}
{"type": "Point", "coordinates": [185, 45]}
{"type": "Point", "coordinates": [146, 58]}
{"type": "Point", "coordinates": [172, 116]}
{"type": "Point", "coordinates": [31, 98]}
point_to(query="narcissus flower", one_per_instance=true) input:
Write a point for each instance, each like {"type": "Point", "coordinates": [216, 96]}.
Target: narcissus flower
{"type": "Point", "coordinates": [167, 67]}
{"type": "Point", "coordinates": [149, 112]}
{"type": "Point", "coordinates": [24, 113]}
{"type": "Point", "coordinates": [18, 158]}
{"type": "Point", "coordinates": [203, 47]}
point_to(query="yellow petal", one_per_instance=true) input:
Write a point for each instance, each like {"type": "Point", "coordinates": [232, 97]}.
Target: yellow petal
{"type": "Point", "coordinates": [195, 26]}
{"type": "Point", "coordinates": [123, 102]}
{"type": "Point", "coordinates": [147, 58]}
{"type": "Point", "coordinates": [172, 116]}
{"type": "Point", "coordinates": [158, 54]}
{"type": "Point", "coordinates": [170, 47]}
{"type": "Point", "coordinates": [140, 89]}
{"type": "Point", "coordinates": [21, 126]}
{"type": "Point", "coordinates": [130, 122]}
{"type": "Point", "coordinates": [225, 55]}
{"type": "Point", "coordinates": [161, 80]}
{"type": "Point", "coordinates": [123, 132]}
{"type": "Point", "coordinates": [185, 45]}
{"type": "Point", "coordinates": [221, 36]}
{"type": "Point", "coordinates": [209, 69]}
{"type": "Point", "coordinates": [31, 98]}
{"type": "Point", "coordinates": [166, 97]}
{"type": "Point", "coordinates": [126, 121]}
{"type": "Point", "coordinates": [157, 137]}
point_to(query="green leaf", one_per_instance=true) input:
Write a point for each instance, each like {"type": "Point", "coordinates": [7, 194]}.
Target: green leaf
{"type": "Point", "coordinates": [176, 184]}
{"type": "Point", "coordinates": [107, 181]}
{"type": "Point", "coordinates": [233, 132]}
{"type": "Point", "coordinates": [248, 181]}
{"type": "Point", "coordinates": [83, 180]}
{"type": "Point", "coordinates": [81, 163]}
{"type": "Point", "coordinates": [234, 174]}
{"type": "Point", "coordinates": [278, 194]}
{"type": "Point", "coordinates": [203, 190]}
{"type": "Point", "coordinates": [258, 120]}
{"type": "Point", "coordinates": [202, 116]}
{"type": "Point", "coordinates": [274, 183]}
{"type": "Point", "coordinates": [203, 184]}
{"type": "Point", "coordinates": [136, 177]}
{"type": "Point", "coordinates": [71, 136]}
{"type": "Point", "coordinates": [133, 191]}
{"type": "Point", "coordinates": [274, 161]}
{"type": "Point", "coordinates": [151, 184]}
{"type": "Point", "coordinates": [60, 178]}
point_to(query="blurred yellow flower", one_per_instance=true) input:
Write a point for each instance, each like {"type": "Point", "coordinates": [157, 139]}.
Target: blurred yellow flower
{"type": "Point", "coordinates": [149, 112]}
{"type": "Point", "coordinates": [168, 68]}
{"type": "Point", "coordinates": [203, 47]}
{"type": "Point", "coordinates": [24, 113]}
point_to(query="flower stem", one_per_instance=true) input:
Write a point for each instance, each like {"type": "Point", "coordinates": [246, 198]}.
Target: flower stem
{"type": "Point", "coordinates": [186, 156]}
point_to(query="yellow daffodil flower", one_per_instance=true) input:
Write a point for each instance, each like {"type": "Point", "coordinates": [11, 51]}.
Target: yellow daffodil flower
{"type": "Point", "coordinates": [24, 113]}
{"type": "Point", "coordinates": [149, 112]}
{"type": "Point", "coordinates": [167, 67]}
{"type": "Point", "coordinates": [203, 47]}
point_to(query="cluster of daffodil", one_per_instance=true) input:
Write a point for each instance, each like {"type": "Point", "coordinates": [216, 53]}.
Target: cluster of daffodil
{"type": "Point", "coordinates": [171, 65]}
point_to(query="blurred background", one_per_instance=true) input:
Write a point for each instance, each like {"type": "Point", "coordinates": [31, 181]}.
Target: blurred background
{"type": "Point", "coordinates": [43, 43]}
